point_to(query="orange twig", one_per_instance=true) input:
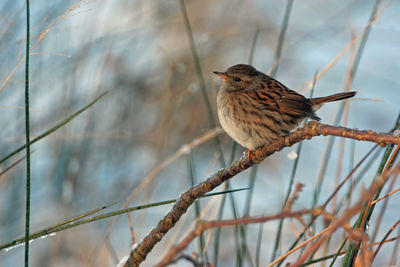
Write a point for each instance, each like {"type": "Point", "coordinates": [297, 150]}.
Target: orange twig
{"type": "Point", "coordinates": [385, 196]}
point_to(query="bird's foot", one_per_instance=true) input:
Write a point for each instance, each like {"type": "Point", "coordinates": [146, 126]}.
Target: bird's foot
{"type": "Point", "coordinates": [250, 154]}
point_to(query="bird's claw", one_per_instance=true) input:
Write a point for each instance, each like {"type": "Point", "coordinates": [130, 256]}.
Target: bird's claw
{"type": "Point", "coordinates": [250, 154]}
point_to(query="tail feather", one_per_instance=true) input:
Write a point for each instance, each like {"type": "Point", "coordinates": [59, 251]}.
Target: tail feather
{"type": "Point", "coordinates": [335, 97]}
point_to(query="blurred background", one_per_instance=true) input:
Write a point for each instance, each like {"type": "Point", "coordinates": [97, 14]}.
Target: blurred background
{"type": "Point", "coordinates": [141, 51]}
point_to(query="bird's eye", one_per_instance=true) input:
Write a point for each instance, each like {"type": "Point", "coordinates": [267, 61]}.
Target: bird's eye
{"type": "Point", "coordinates": [237, 79]}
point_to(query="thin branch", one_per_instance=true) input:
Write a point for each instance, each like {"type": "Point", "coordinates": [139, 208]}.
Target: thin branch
{"type": "Point", "coordinates": [312, 129]}
{"type": "Point", "coordinates": [384, 238]}
{"type": "Point", "coordinates": [205, 225]}
{"type": "Point", "coordinates": [385, 196]}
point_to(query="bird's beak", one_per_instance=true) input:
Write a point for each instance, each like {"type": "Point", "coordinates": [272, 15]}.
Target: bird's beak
{"type": "Point", "coordinates": [221, 74]}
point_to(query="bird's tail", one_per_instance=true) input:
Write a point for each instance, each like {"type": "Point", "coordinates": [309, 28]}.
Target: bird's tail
{"type": "Point", "coordinates": [321, 100]}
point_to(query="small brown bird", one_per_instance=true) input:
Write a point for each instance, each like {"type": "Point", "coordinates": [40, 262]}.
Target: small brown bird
{"type": "Point", "coordinates": [254, 109]}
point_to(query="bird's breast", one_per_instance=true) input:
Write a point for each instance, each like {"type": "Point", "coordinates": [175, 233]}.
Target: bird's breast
{"type": "Point", "coordinates": [231, 119]}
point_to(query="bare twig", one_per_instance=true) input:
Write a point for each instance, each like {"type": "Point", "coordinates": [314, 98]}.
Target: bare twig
{"type": "Point", "coordinates": [182, 151]}
{"type": "Point", "coordinates": [186, 199]}
{"type": "Point", "coordinates": [129, 219]}
{"type": "Point", "coordinates": [385, 237]}
{"type": "Point", "coordinates": [205, 225]}
{"type": "Point", "coordinates": [385, 196]}
{"type": "Point", "coordinates": [294, 197]}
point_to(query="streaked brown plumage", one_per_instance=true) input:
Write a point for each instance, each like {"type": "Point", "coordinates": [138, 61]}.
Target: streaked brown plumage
{"type": "Point", "coordinates": [254, 109]}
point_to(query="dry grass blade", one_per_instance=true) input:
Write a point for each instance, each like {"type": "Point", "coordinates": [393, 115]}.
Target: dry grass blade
{"type": "Point", "coordinates": [209, 135]}
{"type": "Point", "coordinates": [297, 247]}
{"type": "Point", "coordinates": [323, 207]}
{"type": "Point", "coordinates": [39, 39]}
{"type": "Point", "coordinates": [346, 48]}
{"type": "Point", "coordinates": [349, 213]}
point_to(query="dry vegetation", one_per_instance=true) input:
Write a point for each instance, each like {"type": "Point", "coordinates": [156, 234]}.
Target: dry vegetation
{"type": "Point", "coordinates": [122, 108]}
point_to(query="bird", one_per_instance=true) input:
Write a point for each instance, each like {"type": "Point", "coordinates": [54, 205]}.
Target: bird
{"type": "Point", "coordinates": [254, 109]}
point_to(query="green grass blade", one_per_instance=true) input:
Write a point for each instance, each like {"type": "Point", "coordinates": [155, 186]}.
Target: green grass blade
{"type": "Point", "coordinates": [290, 185]}
{"type": "Point", "coordinates": [253, 46]}
{"type": "Point", "coordinates": [70, 223]}
{"type": "Point", "coordinates": [27, 135]}
{"type": "Point", "coordinates": [59, 125]}
{"type": "Point", "coordinates": [192, 179]}
{"type": "Point", "coordinates": [365, 36]}
{"type": "Point", "coordinates": [288, 192]}
{"type": "Point", "coordinates": [200, 76]}
{"type": "Point", "coordinates": [358, 179]}
{"type": "Point", "coordinates": [324, 258]}
{"type": "Point", "coordinates": [233, 152]}
{"type": "Point", "coordinates": [49, 230]}
{"type": "Point", "coordinates": [395, 254]}
{"type": "Point", "coordinates": [352, 250]}
{"type": "Point", "coordinates": [274, 70]}
{"type": "Point", "coordinates": [281, 39]}
{"type": "Point", "coordinates": [338, 117]}
{"type": "Point", "coordinates": [12, 165]}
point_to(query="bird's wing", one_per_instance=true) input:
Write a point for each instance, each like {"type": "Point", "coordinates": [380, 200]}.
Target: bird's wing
{"type": "Point", "coordinates": [275, 96]}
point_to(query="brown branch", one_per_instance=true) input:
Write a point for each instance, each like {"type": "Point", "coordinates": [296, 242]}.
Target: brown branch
{"type": "Point", "coordinates": [205, 225]}
{"type": "Point", "coordinates": [186, 199]}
